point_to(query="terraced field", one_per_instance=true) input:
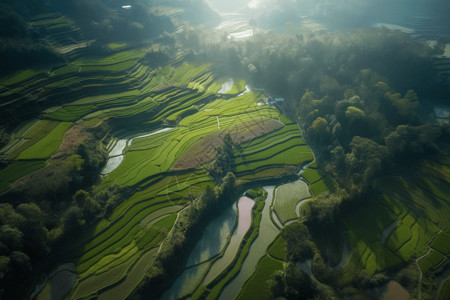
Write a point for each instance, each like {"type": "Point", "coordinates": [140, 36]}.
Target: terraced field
{"type": "Point", "coordinates": [320, 182]}
{"type": "Point", "coordinates": [286, 198]}
{"type": "Point", "coordinates": [110, 258]}
{"type": "Point", "coordinates": [419, 206]}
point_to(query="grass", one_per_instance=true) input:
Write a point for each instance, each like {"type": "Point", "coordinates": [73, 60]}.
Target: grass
{"type": "Point", "coordinates": [18, 77]}
{"type": "Point", "coordinates": [419, 219]}
{"type": "Point", "coordinates": [33, 134]}
{"type": "Point", "coordinates": [286, 198]}
{"type": "Point", "coordinates": [17, 170]}
{"type": "Point", "coordinates": [442, 243]}
{"type": "Point", "coordinates": [402, 233]}
{"type": "Point", "coordinates": [141, 222]}
{"type": "Point", "coordinates": [134, 276]}
{"type": "Point", "coordinates": [117, 46]}
{"type": "Point", "coordinates": [323, 185]}
{"type": "Point", "coordinates": [313, 175]}
{"type": "Point", "coordinates": [364, 228]}
{"type": "Point", "coordinates": [48, 145]}
{"type": "Point", "coordinates": [256, 287]}
{"type": "Point", "coordinates": [116, 236]}
{"type": "Point", "coordinates": [278, 248]}
{"type": "Point", "coordinates": [238, 87]}
{"type": "Point", "coordinates": [70, 113]}
{"type": "Point", "coordinates": [295, 155]}
{"type": "Point", "coordinates": [432, 260]}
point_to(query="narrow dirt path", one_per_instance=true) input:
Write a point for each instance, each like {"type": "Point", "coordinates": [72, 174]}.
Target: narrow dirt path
{"type": "Point", "coordinates": [420, 270]}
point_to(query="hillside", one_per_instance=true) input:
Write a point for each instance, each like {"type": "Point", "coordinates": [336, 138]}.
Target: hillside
{"type": "Point", "coordinates": [130, 135]}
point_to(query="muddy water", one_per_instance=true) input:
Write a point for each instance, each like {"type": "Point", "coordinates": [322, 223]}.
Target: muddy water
{"type": "Point", "coordinates": [245, 206]}
{"type": "Point", "coordinates": [267, 233]}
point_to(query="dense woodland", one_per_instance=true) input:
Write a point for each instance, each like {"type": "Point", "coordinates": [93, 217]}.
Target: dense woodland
{"type": "Point", "coordinates": [347, 89]}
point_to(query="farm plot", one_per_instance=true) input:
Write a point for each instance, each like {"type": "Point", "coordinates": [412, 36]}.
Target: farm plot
{"type": "Point", "coordinates": [286, 198]}
{"type": "Point", "coordinates": [256, 287]}
{"type": "Point", "coordinates": [156, 154]}
{"type": "Point", "coordinates": [442, 243]}
{"type": "Point", "coordinates": [320, 182]}
{"type": "Point", "coordinates": [418, 205]}
{"type": "Point", "coordinates": [432, 261]}
{"type": "Point", "coordinates": [364, 228]}
{"type": "Point", "coordinates": [277, 249]}
{"type": "Point", "coordinates": [48, 145]}
{"type": "Point", "coordinates": [17, 170]}
{"type": "Point", "coordinates": [238, 87]}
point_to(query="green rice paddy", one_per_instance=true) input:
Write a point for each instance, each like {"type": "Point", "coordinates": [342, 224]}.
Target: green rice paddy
{"type": "Point", "coordinates": [48, 145]}
{"type": "Point", "coordinates": [286, 198]}
{"type": "Point", "coordinates": [256, 287]}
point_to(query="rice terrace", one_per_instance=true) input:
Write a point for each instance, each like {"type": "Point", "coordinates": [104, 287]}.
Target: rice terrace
{"type": "Point", "coordinates": [203, 150]}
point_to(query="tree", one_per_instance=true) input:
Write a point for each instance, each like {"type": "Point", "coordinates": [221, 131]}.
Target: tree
{"type": "Point", "coordinates": [319, 131]}
{"type": "Point", "coordinates": [85, 203]}
{"type": "Point", "coordinates": [298, 245]}
{"type": "Point", "coordinates": [12, 238]}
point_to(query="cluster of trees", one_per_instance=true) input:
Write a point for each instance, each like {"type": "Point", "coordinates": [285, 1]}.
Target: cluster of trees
{"type": "Point", "coordinates": [224, 159]}
{"type": "Point", "coordinates": [359, 137]}
{"type": "Point", "coordinates": [47, 208]}
{"type": "Point", "coordinates": [292, 282]}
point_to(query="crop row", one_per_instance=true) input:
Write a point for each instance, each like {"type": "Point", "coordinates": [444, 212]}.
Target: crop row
{"type": "Point", "coordinates": [131, 221]}
{"type": "Point", "coordinates": [293, 155]}
{"type": "Point", "coordinates": [286, 198]}
{"type": "Point", "coordinates": [47, 145]}
{"type": "Point", "coordinates": [32, 134]}
{"type": "Point", "coordinates": [256, 286]}
{"type": "Point", "coordinates": [159, 187]}
{"type": "Point", "coordinates": [17, 170]}
{"type": "Point", "coordinates": [431, 261]}
{"type": "Point", "coordinates": [114, 239]}
{"type": "Point", "coordinates": [282, 133]}
{"type": "Point", "coordinates": [364, 228]}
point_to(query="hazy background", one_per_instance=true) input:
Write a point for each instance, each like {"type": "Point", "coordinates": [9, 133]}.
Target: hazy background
{"type": "Point", "coordinates": [426, 17]}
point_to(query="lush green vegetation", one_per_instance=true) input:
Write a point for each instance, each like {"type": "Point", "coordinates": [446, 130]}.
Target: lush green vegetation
{"type": "Point", "coordinates": [221, 280]}
{"type": "Point", "coordinates": [277, 249]}
{"type": "Point", "coordinates": [286, 198]}
{"type": "Point", "coordinates": [78, 76]}
{"type": "Point", "coordinates": [256, 287]}
{"type": "Point", "coordinates": [442, 243]}
{"type": "Point", "coordinates": [17, 170]}
{"type": "Point", "coordinates": [47, 145]}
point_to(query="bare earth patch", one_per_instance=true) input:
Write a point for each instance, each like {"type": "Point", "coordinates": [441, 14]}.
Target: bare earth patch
{"type": "Point", "coordinates": [204, 150]}
{"type": "Point", "coordinates": [73, 137]}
